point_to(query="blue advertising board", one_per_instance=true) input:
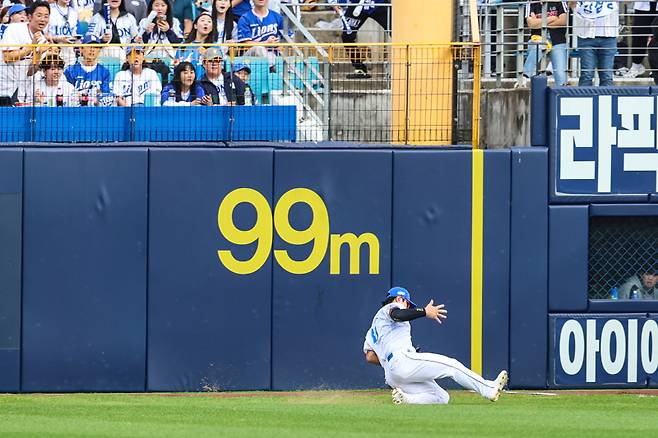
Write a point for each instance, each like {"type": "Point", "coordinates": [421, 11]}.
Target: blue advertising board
{"type": "Point", "coordinates": [603, 144]}
{"type": "Point", "coordinates": [615, 350]}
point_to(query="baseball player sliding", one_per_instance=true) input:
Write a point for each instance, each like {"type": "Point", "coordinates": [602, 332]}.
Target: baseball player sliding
{"type": "Point", "coordinates": [412, 375]}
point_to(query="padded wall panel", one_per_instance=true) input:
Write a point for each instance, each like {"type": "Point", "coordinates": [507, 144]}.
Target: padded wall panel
{"type": "Point", "coordinates": [432, 243]}
{"type": "Point", "coordinates": [11, 216]}
{"type": "Point", "coordinates": [495, 263]}
{"type": "Point", "coordinates": [568, 258]}
{"type": "Point", "coordinates": [84, 283]}
{"type": "Point", "coordinates": [208, 327]}
{"type": "Point", "coordinates": [529, 268]}
{"type": "Point", "coordinates": [320, 319]}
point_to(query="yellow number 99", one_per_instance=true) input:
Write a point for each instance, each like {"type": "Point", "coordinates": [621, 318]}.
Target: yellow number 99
{"type": "Point", "coordinates": [318, 231]}
{"type": "Point", "coordinates": [261, 231]}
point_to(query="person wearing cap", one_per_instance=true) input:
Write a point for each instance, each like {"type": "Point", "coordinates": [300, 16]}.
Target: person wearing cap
{"type": "Point", "coordinates": [135, 82]}
{"type": "Point", "coordinates": [17, 55]}
{"type": "Point", "coordinates": [413, 375]}
{"type": "Point", "coordinates": [215, 82]}
{"type": "Point", "coordinates": [242, 72]}
{"type": "Point", "coordinates": [642, 286]}
{"type": "Point", "coordinates": [90, 79]}
{"type": "Point", "coordinates": [49, 87]}
{"type": "Point", "coordinates": [15, 14]}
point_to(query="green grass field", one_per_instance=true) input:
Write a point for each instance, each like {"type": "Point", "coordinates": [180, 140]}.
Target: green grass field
{"type": "Point", "coordinates": [324, 414]}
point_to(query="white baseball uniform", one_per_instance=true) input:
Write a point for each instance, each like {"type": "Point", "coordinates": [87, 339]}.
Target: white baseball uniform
{"type": "Point", "coordinates": [415, 373]}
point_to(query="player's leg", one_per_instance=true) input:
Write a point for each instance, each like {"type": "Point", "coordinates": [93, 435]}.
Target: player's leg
{"type": "Point", "coordinates": [420, 367]}
{"type": "Point", "coordinates": [422, 393]}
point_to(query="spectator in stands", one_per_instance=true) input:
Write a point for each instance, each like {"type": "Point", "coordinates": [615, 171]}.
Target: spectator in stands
{"type": "Point", "coordinates": [203, 32]}
{"type": "Point", "coordinates": [90, 79]}
{"type": "Point", "coordinates": [645, 12]}
{"type": "Point", "coordinates": [640, 286]}
{"type": "Point", "coordinates": [16, 60]}
{"type": "Point", "coordinates": [136, 7]}
{"type": "Point", "coordinates": [240, 7]}
{"type": "Point", "coordinates": [260, 25]}
{"type": "Point", "coordinates": [216, 83]}
{"type": "Point", "coordinates": [62, 28]}
{"type": "Point", "coordinates": [184, 88]}
{"type": "Point", "coordinates": [164, 30]}
{"type": "Point", "coordinates": [242, 72]}
{"type": "Point", "coordinates": [132, 85]}
{"type": "Point", "coordinates": [119, 28]}
{"type": "Point", "coordinates": [653, 50]}
{"type": "Point", "coordinates": [556, 21]}
{"type": "Point", "coordinates": [353, 16]}
{"type": "Point", "coordinates": [13, 14]}
{"type": "Point", "coordinates": [48, 87]}
{"type": "Point", "coordinates": [222, 15]}
{"type": "Point", "coordinates": [183, 10]}
{"type": "Point", "coordinates": [596, 24]}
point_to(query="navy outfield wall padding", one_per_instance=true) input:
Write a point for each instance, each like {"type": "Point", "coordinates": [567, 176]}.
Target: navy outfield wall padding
{"type": "Point", "coordinates": [84, 274]}
{"type": "Point", "coordinates": [584, 350]}
{"type": "Point", "coordinates": [320, 320]}
{"type": "Point", "coordinates": [580, 185]}
{"type": "Point", "coordinates": [432, 243]}
{"type": "Point", "coordinates": [623, 210]}
{"type": "Point", "coordinates": [538, 107]}
{"type": "Point", "coordinates": [529, 268]}
{"type": "Point", "coordinates": [568, 258]}
{"type": "Point", "coordinates": [495, 263]}
{"type": "Point", "coordinates": [208, 328]}
{"type": "Point", "coordinates": [11, 217]}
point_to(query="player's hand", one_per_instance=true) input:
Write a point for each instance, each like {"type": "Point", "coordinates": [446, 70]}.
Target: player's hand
{"type": "Point", "coordinates": [106, 37]}
{"type": "Point", "coordinates": [272, 39]}
{"type": "Point", "coordinates": [437, 312]}
{"type": "Point", "coordinates": [150, 27]}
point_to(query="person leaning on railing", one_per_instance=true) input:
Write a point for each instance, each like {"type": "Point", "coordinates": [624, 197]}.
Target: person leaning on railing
{"type": "Point", "coordinates": [184, 88]}
{"type": "Point", "coordinates": [596, 24]}
{"type": "Point", "coordinates": [556, 21]}
{"type": "Point", "coordinates": [16, 62]}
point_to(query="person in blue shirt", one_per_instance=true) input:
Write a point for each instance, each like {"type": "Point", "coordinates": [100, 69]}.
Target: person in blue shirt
{"type": "Point", "coordinates": [239, 8]}
{"type": "Point", "coordinates": [184, 88]}
{"type": "Point", "coordinates": [261, 25]}
{"type": "Point", "coordinates": [90, 79]}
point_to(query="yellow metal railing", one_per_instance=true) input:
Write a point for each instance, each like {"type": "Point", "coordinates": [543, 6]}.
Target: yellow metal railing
{"type": "Point", "coordinates": [410, 93]}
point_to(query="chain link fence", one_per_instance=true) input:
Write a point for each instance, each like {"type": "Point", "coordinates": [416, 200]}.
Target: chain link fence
{"type": "Point", "coordinates": [619, 248]}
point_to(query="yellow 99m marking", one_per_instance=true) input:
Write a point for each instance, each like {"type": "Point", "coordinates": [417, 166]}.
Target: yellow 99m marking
{"type": "Point", "coordinates": [263, 231]}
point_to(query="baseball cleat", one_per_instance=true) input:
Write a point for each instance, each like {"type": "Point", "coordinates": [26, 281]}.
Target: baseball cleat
{"type": "Point", "coordinates": [501, 382]}
{"type": "Point", "coordinates": [398, 396]}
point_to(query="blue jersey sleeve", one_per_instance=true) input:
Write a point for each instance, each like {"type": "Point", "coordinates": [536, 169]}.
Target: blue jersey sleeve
{"type": "Point", "coordinates": [106, 79]}
{"type": "Point", "coordinates": [244, 30]}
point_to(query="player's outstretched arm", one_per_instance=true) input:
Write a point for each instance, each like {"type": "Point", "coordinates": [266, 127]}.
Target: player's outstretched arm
{"type": "Point", "coordinates": [437, 312]}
